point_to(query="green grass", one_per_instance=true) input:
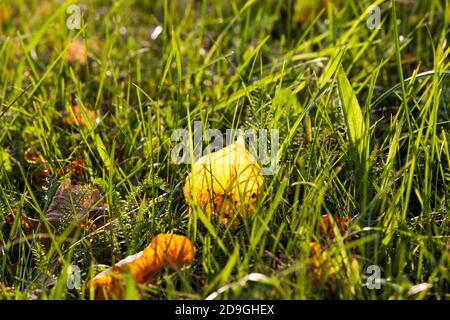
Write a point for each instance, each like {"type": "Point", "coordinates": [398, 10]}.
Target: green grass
{"type": "Point", "coordinates": [378, 101]}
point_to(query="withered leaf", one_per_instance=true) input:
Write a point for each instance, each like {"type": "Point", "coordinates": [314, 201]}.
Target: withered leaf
{"type": "Point", "coordinates": [74, 204]}
{"type": "Point", "coordinates": [75, 167]}
{"type": "Point", "coordinates": [31, 156]}
{"type": "Point", "coordinates": [326, 227]}
{"type": "Point", "coordinates": [28, 224]}
{"type": "Point", "coordinates": [77, 115]}
{"type": "Point", "coordinates": [165, 251]}
{"type": "Point", "coordinates": [76, 52]}
{"type": "Point", "coordinates": [78, 119]}
{"type": "Point", "coordinates": [40, 165]}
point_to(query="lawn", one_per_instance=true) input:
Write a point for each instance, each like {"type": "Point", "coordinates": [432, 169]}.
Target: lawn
{"type": "Point", "coordinates": [354, 97]}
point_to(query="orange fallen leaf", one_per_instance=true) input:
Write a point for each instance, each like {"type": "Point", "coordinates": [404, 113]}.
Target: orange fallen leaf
{"type": "Point", "coordinates": [80, 117]}
{"type": "Point", "coordinates": [27, 223]}
{"type": "Point", "coordinates": [42, 172]}
{"type": "Point", "coordinates": [176, 250]}
{"type": "Point", "coordinates": [90, 225]}
{"type": "Point", "coordinates": [76, 52]}
{"type": "Point", "coordinates": [165, 251]}
{"type": "Point", "coordinates": [75, 167]}
{"type": "Point", "coordinates": [327, 228]}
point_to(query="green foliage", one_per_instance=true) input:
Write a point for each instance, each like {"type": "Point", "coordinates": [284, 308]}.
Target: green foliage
{"type": "Point", "coordinates": [364, 131]}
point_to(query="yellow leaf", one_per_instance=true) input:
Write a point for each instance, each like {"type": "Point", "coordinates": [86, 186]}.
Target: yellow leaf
{"type": "Point", "coordinates": [225, 183]}
{"type": "Point", "coordinates": [325, 265]}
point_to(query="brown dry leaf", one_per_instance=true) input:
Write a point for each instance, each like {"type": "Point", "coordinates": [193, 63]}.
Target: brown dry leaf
{"type": "Point", "coordinates": [75, 167]}
{"type": "Point", "coordinates": [74, 205]}
{"type": "Point", "coordinates": [77, 118]}
{"type": "Point", "coordinates": [31, 156]}
{"type": "Point", "coordinates": [327, 228]}
{"type": "Point", "coordinates": [226, 183]}
{"type": "Point", "coordinates": [27, 223]}
{"type": "Point", "coordinates": [42, 177]}
{"type": "Point", "coordinates": [165, 251]}
{"type": "Point", "coordinates": [76, 52]}
{"type": "Point", "coordinates": [40, 165]}
{"type": "Point", "coordinates": [89, 226]}
{"type": "Point", "coordinates": [76, 115]}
